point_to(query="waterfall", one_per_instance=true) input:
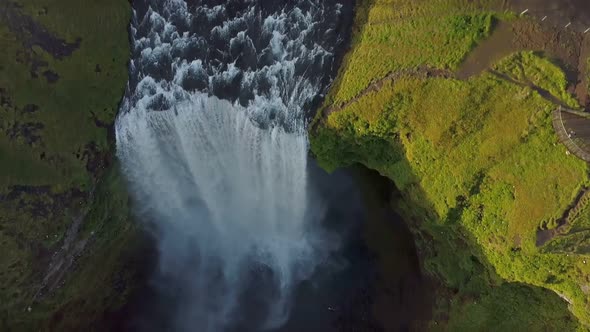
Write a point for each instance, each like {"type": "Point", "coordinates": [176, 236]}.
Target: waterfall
{"type": "Point", "coordinates": [211, 136]}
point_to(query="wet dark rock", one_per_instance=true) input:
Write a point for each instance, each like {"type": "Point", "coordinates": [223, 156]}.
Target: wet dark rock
{"type": "Point", "coordinates": [36, 64]}
{"type": "Point", "coordinates": [159, 103]}
{"type": "Point", "coordinates": [51, 76]}
{"type": "Point", "coordinates": [96, 160]}
{"type": "Point", "coordinates": [40, 201]}
{"type": "Point", "coordinates": [195, 79]}
{"type": "Point", "coordinates": [99, 123]}
{"type": "Point", "coordinates": [28, 131]}
{"type": "Point", "coordinates": [227, 89]}
{"type": "Point", "coordinates": [5, 100]}
{"type": "Point", "coordinates": [243, 52]}
{"type": "Point", "coordinates": [30, 108]}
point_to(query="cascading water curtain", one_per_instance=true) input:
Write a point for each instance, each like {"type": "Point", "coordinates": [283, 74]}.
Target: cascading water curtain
{"type": "Point", "coordinates": [212, 137]}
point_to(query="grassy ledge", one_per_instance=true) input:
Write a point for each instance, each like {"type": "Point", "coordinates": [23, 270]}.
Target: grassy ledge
{"type": "Point", "coordinates": [476, 160]}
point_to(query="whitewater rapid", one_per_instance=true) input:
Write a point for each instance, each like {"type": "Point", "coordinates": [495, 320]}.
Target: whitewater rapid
{"type": "Point", "coordinates": [212, 138]}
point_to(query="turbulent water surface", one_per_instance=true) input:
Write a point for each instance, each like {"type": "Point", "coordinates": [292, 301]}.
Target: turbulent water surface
{"type": "Point", "coordinates": [211, 136]}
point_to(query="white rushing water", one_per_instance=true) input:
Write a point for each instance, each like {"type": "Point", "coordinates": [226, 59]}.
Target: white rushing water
{"type": "Point", "coordinates": [211, 136]}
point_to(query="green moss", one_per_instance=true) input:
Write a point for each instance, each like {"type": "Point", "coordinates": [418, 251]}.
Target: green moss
{"type": "Point", "coordinates": [55, 151]}
{"type": "Point", "coordinates": [66, 107]}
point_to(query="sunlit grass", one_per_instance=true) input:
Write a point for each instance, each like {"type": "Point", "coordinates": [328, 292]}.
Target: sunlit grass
{"type": "Point", "coordinates": [480, 155]}
{"type": "Point", "coordinates": [402, 34]}
{"type": "Point", "coordinates": [531, 68]}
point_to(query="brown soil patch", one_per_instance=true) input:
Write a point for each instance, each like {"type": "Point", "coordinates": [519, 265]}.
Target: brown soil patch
{"type": "Point", "coordinates": [563, 18]}
{"type": "Point", "coordinates": [563, 46]}
{"type": "Point", "coordinates": [497, 46]}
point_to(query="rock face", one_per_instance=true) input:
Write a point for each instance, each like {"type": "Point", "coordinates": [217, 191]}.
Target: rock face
{"type": "Point", "coordinates": [474, 155]}
{"type": "Point", "coordinates": [63, 210]}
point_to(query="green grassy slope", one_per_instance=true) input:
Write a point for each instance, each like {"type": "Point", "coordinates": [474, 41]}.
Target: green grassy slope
{"type": "Point", "coordinates": [478, 165]}
{"type": "Point", "coordinates": [62, 75]}
{"type": "Point", "coordinates": [403, 34]}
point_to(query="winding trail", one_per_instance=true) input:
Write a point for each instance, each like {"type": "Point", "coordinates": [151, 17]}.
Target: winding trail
{"type": "Point", "coordinates": [375, 86]}
{"type": "Point", "coordinates": [420, 72]}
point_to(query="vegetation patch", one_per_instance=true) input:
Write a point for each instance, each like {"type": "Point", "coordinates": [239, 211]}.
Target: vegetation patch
{"type": "Point", "coordinates": [513, 307]}
{"type": "Point", "coordinates": [531, 68]}
{"type": "Point", "coordinates": [573, 234]}
{"type": "Point", "coordinates": [404, 34]}
{"type": "Point", "coordinates": [57, 175]}
{"type": "Point", "coordinates": [478, 165]}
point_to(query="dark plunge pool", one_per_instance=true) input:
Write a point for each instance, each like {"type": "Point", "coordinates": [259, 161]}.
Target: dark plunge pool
{"type": "Point", "coordinates": [370, 282]}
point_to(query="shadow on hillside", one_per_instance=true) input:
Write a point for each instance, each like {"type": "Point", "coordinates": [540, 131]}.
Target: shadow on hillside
{"type": "Point", "coordinates": [452, 270]}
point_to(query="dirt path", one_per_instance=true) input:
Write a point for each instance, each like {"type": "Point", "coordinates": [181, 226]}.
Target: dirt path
{"type": "Point", "coordinates": [569, 47]}
{"type": "Point", "coordinates": [423, 72]}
